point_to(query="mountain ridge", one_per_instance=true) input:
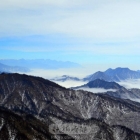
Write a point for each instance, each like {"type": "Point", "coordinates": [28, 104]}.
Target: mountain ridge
{"type": "Point", "coordinates": [40, 63]}
{"type": "Point", "coordinates": [116, 75]}
{"type": "Point", "coordinates": [6, 68]}
{"type": "Point", "coordinates": [119, 92]}
{"type": "Point", "coordinates": [47, 101]}
{"type": "Point", "coordinates": [98, 83]}
{"type": "Point", "coordinates": [110, 75]}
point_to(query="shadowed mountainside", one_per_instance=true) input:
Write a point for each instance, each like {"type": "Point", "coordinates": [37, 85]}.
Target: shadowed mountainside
{"type": "Point", "coordinates": [98, 83]}
{"type": "Point", "coordinates": [110, 118]}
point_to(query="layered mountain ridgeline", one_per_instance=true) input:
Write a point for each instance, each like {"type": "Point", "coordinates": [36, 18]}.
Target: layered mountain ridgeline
{"type": "Point", "coordinates": [119, 92]}
{"type": "Point", "coordinates": [21, 127]}
{"type": "Point", "coordinates": [110, 118]}
{"type": "Point", "coordinates": [117, 74]}
{"type": "Point", "coordinates": [40, 63]}
{"type": "Point", "coordinates": [132, 94]}
{"type": "Point", "coordinates": [6, 68]}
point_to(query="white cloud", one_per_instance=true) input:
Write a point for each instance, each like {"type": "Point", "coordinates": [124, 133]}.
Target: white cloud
{"type": "Point", "coordinates": [111, 21]}
{"type": "Point", "coordinates": [35, 3]}
{"type": "Point", "coordinates": [74, 72]}
{"type": "Point", "coordinates": [130, 83]}
{"type": "Point", "coordinates": [89, 22]}
{"type": "Point", "coordinates": [70, 83]}
{"type": "Point", "coordinates": [89, 19]}
{"type": "Point", "coordinates": [97, 90]}
{"type": "Point", "coordinates": [50, 74]}
{"type": "Point", "coordinates": [84, 71]}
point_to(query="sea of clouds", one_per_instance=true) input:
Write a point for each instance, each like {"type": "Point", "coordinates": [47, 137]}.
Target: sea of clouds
{"type": "Point", "coordinates": [130, 83]}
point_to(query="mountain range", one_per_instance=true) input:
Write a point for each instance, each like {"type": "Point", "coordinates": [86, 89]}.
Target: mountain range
{"type": "Point", "coordinates": [98, 83]}
{"type": "Point", "coordinates": [39, 63]}
{"type": "Point", "coordinates": [117, 75]}
{"type": "Point", "coordinates": [120, 91]}
{"type": "Point", "coordinates": [30, 105]}
{"type": "Point", "coordinates": [6, 68]}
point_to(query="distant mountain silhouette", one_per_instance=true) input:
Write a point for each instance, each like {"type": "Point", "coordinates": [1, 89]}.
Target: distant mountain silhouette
{"type": "Point", "coordinates": [6, 68]}
{"type": "Point", "coordinates": [117, 75]}
{"type": "Point", "coordinates": [98, 83]}
{"type": "Point", "coordinates": [98, 75]}
{"type": "Point", "coordinates": [65, 78]}
{"type": "Point", "coordinates": [40, 63]}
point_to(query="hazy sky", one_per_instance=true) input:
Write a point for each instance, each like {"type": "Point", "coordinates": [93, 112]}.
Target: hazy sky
{"type": "Point", "coordinates": [101, 32]}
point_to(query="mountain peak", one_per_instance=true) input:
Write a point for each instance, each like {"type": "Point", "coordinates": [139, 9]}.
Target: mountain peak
{"type": "Point", "coordinates": [117, 74]}
{"type": "Point", "coordinates": [119, 68]}
{"type": "Point", "coordinates": [97, 75]}
{"type": "Point", "coordinates": [99, 83]}
{"type": "Point", "coordinates": [26, 79]}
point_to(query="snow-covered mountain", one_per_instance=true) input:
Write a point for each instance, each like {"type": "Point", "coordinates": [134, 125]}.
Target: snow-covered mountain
{"type": "Point", "coordinates": [106, 117]}
{"type": "Point", "coordinates": [117, 75]}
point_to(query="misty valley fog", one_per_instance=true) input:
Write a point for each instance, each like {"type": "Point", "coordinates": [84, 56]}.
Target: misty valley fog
{"type": "Point", "coordinates": [49, 74]}
{"type": "Point", "coordinates": [130, 83]}
{"type": "Point", "coordinates": [97, 90]}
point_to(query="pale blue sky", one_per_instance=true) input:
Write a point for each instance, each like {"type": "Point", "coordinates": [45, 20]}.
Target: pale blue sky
{"type": "Point", "coordinates": [85, 31]}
